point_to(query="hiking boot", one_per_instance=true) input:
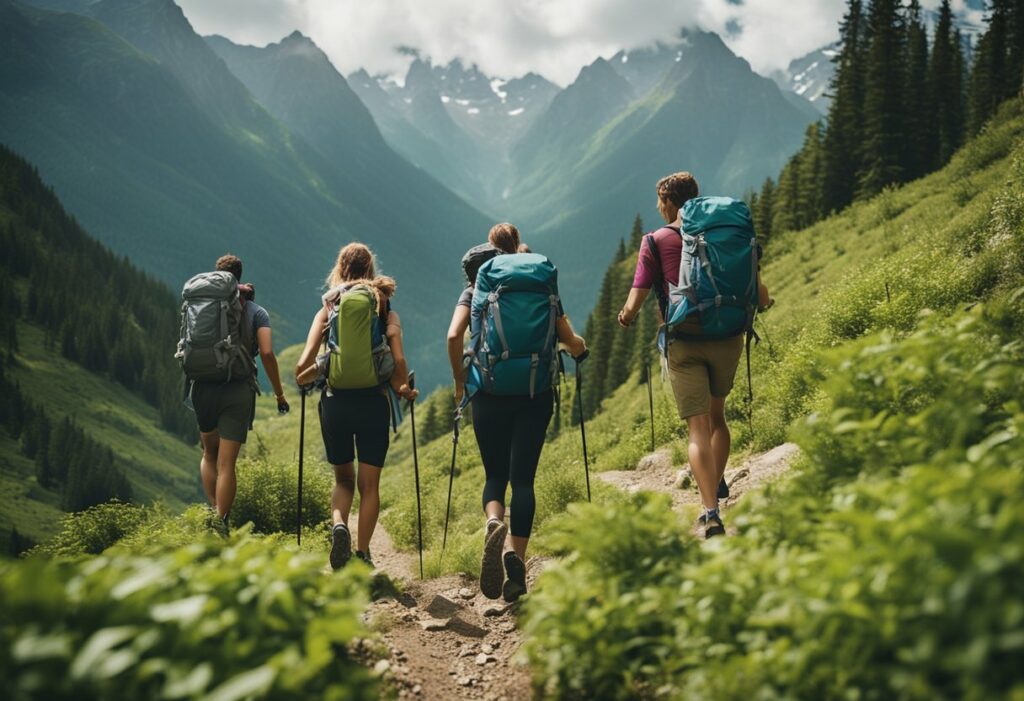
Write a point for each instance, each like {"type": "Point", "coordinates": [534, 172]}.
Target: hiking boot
{"type": "Point", "coordinates": [492, 573]}
{"type": "Point", "coordinates": [723, 489]}
{"type": "Point", "coordinates": [365, 557]}
{"type": "Point", "coordinates": [219, 525]}
{"type": "Point", "coordinates": [713, 525]}
{"type": "Point", "coordinates": [341, 546]}
{"type": "Point", "coordinates": [515, 585]}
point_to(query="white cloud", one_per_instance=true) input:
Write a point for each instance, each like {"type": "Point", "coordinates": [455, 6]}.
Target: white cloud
{"type": "Point", "coordinates": [511, 37]}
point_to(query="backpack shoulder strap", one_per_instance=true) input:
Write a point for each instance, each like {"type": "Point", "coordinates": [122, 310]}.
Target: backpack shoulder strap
{"type": "Point", "coordinates": [659, 277]}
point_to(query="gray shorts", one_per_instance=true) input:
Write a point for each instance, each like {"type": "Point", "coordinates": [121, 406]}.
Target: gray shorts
{"type": "Point", "coordinates": [226, 408]}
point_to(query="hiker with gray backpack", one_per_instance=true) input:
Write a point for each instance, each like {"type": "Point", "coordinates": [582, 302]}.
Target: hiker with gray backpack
{"type": "Point", "coordinates": [509, 373]}
{"type": "Point", "coordinates": [222, 332]}
{"type": "Point", "coordinates": [362, 340]}
{"type": "Point", "coordinates": [704, 269]}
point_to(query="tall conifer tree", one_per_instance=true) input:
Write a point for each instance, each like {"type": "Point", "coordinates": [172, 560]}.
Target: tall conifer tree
{"type": "Point", "coordinates": [845, 116]}
{"type": "Point", "coordinates": [945, 85]}
{"type": "Point", "coordinates": [919, 117]}
{"type": "Point", "coordinates": [883, 99]}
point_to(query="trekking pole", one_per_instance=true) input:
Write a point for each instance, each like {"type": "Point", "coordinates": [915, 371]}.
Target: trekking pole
{"type": "Point", "coordinates": [650, 398]}
{"type": "Point", "coordinates": [302, 440]}
{"type": "Point", "coordinates": [416, 470]}
{"type": "Point", "coordinates": [451, 476]}
{"type": "Point", "coordinates": [583, 430]}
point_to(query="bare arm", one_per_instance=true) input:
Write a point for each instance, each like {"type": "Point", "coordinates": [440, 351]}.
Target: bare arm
{"type": "Point", "coordinates": [264, 341]}
{"type": "Point", "coordinates": [400, 378]}
{"type": "Point", "coordinates": [568, 338]}
{"type": "Point", "coordinates": [764, 300]}
{"type": "Point", "coordinates": [456, 334]}
{"type": "Point", "coordinates": [636, 299]}
{"type": "Point", "coordinates": [313, 340]}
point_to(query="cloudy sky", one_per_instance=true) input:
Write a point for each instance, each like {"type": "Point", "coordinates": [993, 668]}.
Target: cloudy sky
{"type": "Point", "coordinates": [507, 38]}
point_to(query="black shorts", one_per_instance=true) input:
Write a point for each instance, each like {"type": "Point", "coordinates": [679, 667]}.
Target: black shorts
{"type": "Point", "coordinates": [226, 408]}
{"type": "Point", "coordinates": [354, 424]}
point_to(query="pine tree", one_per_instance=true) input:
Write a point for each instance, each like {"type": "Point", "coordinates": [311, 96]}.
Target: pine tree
{"type": "Point", "coordinates": [845, 117]}
{"type": "Point", "coordinates": [785, 213]}
{"type": "Point", "coordinates": [810, 171]}
{"type": "Point", "coordinates": [989, 76]}
{"type": "Point", "coordinates": [763, 212]}
{"type": "Point", "coordinates": [945, 88]}
{"type": "Point", "coordinates": [882, 151]}
{"type": "Point", "coordinates": [919, 115]}
{"type": "Point", "coordinates": [636, 235]}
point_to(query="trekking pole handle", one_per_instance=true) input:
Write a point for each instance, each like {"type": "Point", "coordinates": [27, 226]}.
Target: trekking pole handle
{"type": "Point", "coordinates": [578, 358]}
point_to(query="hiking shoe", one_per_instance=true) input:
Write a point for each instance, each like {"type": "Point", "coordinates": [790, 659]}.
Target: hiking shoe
{"type": "Point", "coordinates": [341, 546]}
{"type": "Point", "coordinates": [365, 557]}
{"type": "Point", "coordinates": [515, 585]}
{"type": "Point", "coordinates": [723, 489]}
{"type": "Point", "coordinates": [492, 573]}
{"type": "Point", "coordinates": [220, 525]}
{"type": "Point", "coordinates": [712, 525]}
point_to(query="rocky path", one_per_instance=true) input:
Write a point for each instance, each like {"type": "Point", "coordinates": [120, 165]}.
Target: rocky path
{"type": "Point", "coordinates": [444, 640]}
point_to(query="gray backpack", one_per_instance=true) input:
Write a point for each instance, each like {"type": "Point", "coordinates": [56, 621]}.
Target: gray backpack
{"type": "Point", "coordinates": [215, 345]}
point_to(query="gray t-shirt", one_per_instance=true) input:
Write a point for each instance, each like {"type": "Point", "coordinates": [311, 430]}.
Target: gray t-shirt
{"type": "Point", "coordinates": [257, 318]}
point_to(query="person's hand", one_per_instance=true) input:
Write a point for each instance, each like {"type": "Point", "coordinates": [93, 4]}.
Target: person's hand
{"type": "Point", "coordinates": [771, 303]}
{"type": "Point", "coordinates": [624, 320]}
{"type": "Point", "coordinates": [460, 392]}
{"type": "Point", "coordinates": [407, 393]}
{"type": "Point", "coordinates": [282, 405]}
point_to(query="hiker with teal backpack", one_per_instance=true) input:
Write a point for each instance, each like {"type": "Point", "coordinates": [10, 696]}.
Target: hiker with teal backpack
{"type": "Point", "coordinates": [704, 269]}
{"type": "Point", "coordinates": [510, 372]}
{"type": "Point", "coordinates": [222, 332]}
{"type": "Point", "coordinates": [364, 355]}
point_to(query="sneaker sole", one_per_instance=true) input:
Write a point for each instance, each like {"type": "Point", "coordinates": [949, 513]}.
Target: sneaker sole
{"type": "Point", "coordinates": [341, 548]}
{"type": "Point", "coordinates": [712, 531]}
{"type": "Point", "coordinates": [492, 571]}
{"type": "Point", "coordinates": [515, 585]}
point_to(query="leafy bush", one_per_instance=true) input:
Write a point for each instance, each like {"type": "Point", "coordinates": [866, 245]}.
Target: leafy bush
{"type": "Point", "coordinates": [92, 531]}
{"type": "Point", "coordinates": [890, 566]}
{"type": "Point", "coordinates": [250, 619]}
{"type": "Point", "coordinates": [267, 495]}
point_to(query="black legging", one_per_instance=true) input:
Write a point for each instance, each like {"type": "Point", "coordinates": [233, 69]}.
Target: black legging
{"type": "Point", "coordinates": [510, 432]}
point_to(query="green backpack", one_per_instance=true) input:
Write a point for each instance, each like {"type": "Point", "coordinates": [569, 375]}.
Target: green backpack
{"type": "Point", "coordinates": [360, 357]}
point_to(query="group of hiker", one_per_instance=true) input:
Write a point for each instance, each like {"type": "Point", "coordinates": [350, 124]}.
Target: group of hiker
{"type": "Point", "coordinates": [703, 267]}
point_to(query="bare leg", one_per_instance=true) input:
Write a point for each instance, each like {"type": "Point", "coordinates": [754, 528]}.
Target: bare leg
{"type": "Point", "coordinates": [494, 509]}
{"type": "Point", "coordinates": [702, 459]}
{"type": "Point", "coordinates": [721, 439]}
{"type": "Point", "coordinates": [227, 455]}
{"type": "Point", "coordinates": [343, 494]}
{"type": "Point", "coordinates": [208, 464]}
{"type": "Point", "coordinates": [369, 505]}
{"type": "Point", "coordinates": [519, 546]}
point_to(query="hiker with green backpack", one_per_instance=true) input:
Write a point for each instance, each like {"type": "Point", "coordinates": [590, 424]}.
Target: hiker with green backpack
{"type": "Point", "coordinates": [222, 332]}
{"type": "Point", "coordinates": [510, 373]}
{"type": "Point", "coordinates": [704, 269]}
{"type": "Point", "coordinates": [364, 355]}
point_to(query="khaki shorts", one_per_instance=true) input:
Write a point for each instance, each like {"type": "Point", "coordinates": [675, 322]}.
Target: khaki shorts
{"type": "Point", "coordinates": [700, 370]}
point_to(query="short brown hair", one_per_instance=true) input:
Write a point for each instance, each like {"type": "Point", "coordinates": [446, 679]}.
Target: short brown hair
{"type": "Point", "coordinates": [231, 264]}
{"type": "Point", "coordinates": [678, 188]}
{"type": "Point", "coordinates": [504, 237]}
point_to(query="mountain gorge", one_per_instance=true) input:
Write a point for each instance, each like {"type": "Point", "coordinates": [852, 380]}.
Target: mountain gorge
{"type": "Point", "coordinates": [166, 156]}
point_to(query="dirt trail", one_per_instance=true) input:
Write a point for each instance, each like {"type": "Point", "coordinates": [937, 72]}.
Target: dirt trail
{"type": "Point", "coordinates": [656, 473]}
{"type": "Point", "coordinates": [445, 641]}
{"type": "Point", "coordinates": [443, 638]}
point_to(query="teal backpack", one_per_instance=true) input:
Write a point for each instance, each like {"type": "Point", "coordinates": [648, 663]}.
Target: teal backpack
{"type": "Point", "coordinates": [512, 324]}
{"type": "Point", "coordinates": [717, 271]}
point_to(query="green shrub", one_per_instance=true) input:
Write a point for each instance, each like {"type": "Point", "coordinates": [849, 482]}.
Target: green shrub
{"type": "Point", "coordinates": [268, 491]}
{"type": "Point", "coordinates": [250, 619]}
{"type": "Point", "coordinates": [92, 531]}
{"type": "Point", "coordinates": [891, 565]}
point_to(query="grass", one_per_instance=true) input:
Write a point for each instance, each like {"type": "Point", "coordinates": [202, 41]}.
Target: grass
{"type": "Point", "coordinates": [161, 466]}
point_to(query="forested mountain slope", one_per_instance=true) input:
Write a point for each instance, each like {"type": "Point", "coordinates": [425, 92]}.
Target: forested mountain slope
{"type": "Point", "coordinates": [91, 395]}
